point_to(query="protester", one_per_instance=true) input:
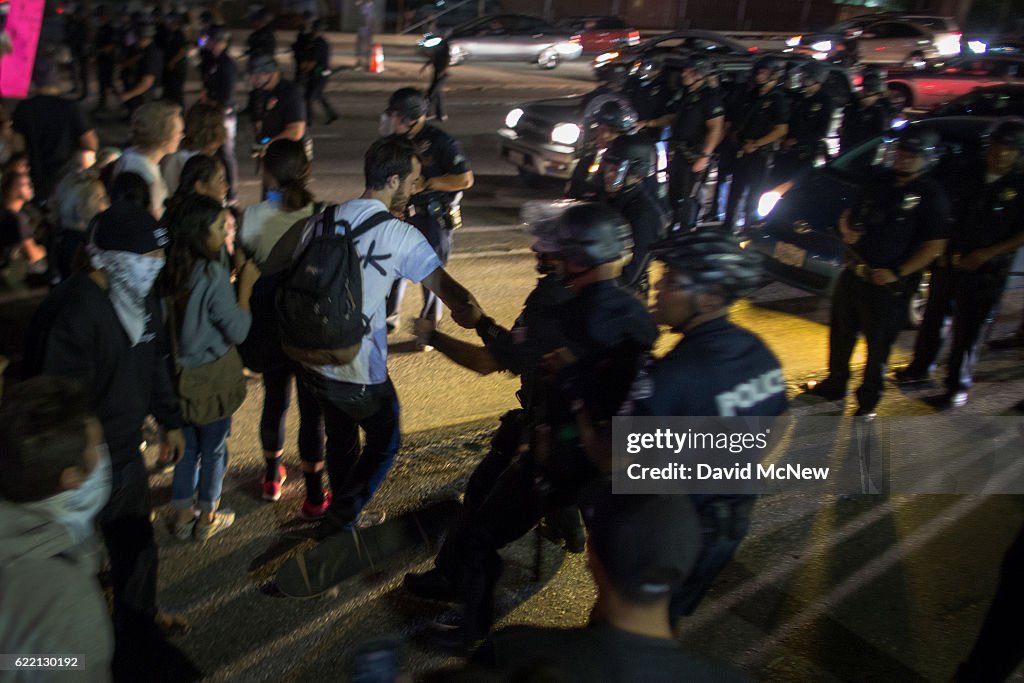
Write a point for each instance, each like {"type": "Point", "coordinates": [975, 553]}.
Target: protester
{"type": "Point", "coordinates": [54, 480]}
{"type": "Point", "coordinates": [206, 320]}
{"type": "Point", "coordinates": [157, 129]}
{"type": "Point", "coordinates": [79, 198]}
{"type": "Point", "coordinates": [265, 235]}
{"type": "Point", "coordinates": [104, 328]}
{"type": "Point", "coordinates": [17, 233]}
{"type": "Point", "coordinates": [204, 134]}
{"type": "Point", "coordinates": [53, 126]}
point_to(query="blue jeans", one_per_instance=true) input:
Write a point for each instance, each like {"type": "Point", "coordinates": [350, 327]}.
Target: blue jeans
{"type": "Point", "coordinates": [202, 467]}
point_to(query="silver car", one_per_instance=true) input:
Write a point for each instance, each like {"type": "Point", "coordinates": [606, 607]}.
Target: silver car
{"type": "Point", "coordinates": [925, 89]}
{"type": "Point", "coordinates": [509, 38]}
{"type": "Point", "coordinates": [907, 40]}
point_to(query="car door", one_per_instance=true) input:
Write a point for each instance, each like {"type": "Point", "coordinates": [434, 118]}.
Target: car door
{"type": "Point", "coordinates": [488, 39]}
{"type": "Point", "coordinates": [891, 42]}
{"type": "Point", "coordinates": [528, 36]}
{"type": "Point", "coordinates": [604, 34]}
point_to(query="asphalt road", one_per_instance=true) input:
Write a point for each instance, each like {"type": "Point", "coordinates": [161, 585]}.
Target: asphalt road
{"type": "Point", "coordinates": [824, 588]}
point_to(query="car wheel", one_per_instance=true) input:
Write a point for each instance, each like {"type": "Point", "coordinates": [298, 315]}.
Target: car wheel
{"type": "Point", "coordinates": [914, 60]}
{"type": "Point", "coordinates": [918, 302]}
{"type": "Point", "coordinates": [900, 96]}
{"type": "Point", "coordinates": [548, 59]}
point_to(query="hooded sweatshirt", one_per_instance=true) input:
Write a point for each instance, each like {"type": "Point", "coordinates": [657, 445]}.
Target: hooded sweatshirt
{"type": "Point", "coordinates": [50, 599]}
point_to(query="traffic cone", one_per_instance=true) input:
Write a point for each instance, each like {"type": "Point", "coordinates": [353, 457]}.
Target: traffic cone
{"type": "Point", "coordinates": [377, 59]}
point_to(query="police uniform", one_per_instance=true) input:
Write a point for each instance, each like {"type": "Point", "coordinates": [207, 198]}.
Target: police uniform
{"type": "Point", "coordinates": [896, 220]}
{"type": "Point", "coordinates": [586, 182]}
{"type": "Point", "coordinates": [808, 125]}
{"type": "Point", "coordinates": [761, 114]}
{"type": "Point", "coordinates": [283, 105]}
{"type": "Point", "coordinates": [860, 124]}
{"type": "Point", "coordinates": [219, 78]}
{"type": "Point", "coordinates": [608, 331]}
{"type": "Point", "coordinates": [262, 42]}
{"type": "Point", "coordinates": [319, 53]}
{"type": "Point", "coordinates": [718, 369]}
{"type": "Point", "coordinates": [693, 109]}
{"type": "Point", "coordinates": [433, 212]}
{"type": "Point", "coordinates": [992, 213]}
{"type": "Point", "coordinates": [108, 43]}
{"type": "Point", "coordinates": [300, 48]}
{"type": "Point", "coordinates": [142, 62]}
{"type": "Point", "coordinates": [648, 219]}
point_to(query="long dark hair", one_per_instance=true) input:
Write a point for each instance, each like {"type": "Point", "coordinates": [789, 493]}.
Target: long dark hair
{"type": "Point", "coordinates": [188, 224]}
{"type": "Point", "coordinates": [288, 165]}
{"type": "Point", "coordinates": [198, 169]}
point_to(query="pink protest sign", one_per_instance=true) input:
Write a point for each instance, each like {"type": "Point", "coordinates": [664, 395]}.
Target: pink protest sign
{"type": "Point", "coordinates": [22, 29]}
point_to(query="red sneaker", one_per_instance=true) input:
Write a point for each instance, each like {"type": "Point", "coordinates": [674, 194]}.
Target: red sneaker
{"type": "Point", "coordinates": [272, 489]}
{"type": "Point", "coordinates": [312, 512]}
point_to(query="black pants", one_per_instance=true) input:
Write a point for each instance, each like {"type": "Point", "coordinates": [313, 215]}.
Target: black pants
{"type": "Point", "coordinates": [860, 307]}
{"type": "Point", "coordinates": [435, 95]}
{"type": "Point", "coordinates": [932, 333]}
{"type": "Point", "coordinates": [105, 76]}
{"type": "Point", "coordinates": [277, 395]}
{"type": "Point", "coordinates": [748, 180]}
{"type": "Point", "coordinates": [315, 86]}
{"type": "Point", "coordinates": [356, 474]}
{"type": "Point", "coordinates": [438, 231]}
{"type": "Point", "coordinates": [684, 190]}
{"type": "Point", "coordinates": [976, 298]}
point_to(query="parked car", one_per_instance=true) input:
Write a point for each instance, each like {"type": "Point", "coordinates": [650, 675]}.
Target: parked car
{"type": "Point", "coordinates": [997, 100]}
{"type": "Point", "coordinates": [599, 34]}
{"type": "Point", "coordinates": [544, 138]}
{"type": "Point", "coordinates": [799, 236]}
{"type": "Point", "coordinates": [508, 38]}
{"type": "Point", "coordinates": [927, 88]}
{"type": "Point", "coordinates": [904, 39]}
{"type": "Point", "coordinates": [622, 61]}
{"type": "Point", "coordinates": [442, 14]}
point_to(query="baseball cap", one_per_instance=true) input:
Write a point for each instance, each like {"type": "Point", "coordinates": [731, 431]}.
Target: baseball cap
{"type": "Point", "coordinates": [647, 544]}
{"type": "Point", "coordinates": [127, 227]}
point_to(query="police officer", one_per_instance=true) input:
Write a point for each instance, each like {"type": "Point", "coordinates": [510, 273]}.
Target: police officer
{"type": "Point", "coordinates": [808, 125]}
{"type": "Point", "coordinates": [434, 210]}
{"type": "Point", "coordinates": [868, 115]}
{"type": "Point", "coordinates": [608, 332]}
{"type": "Point", "coordinates": [989, 228]}
{"type": "Point", "coordinates": [715, 361]}
{"type": "Point", "coordinates": [697, 117]}
{"type": "Point", "coordinates": [613, 118]}
{"type": "Point", "coordinates": [439, 61]}
{"type": "Point", "coordinates": [219, 76]}
{"type": "Point", "coordinates": [650, 91]}
{"type": "Point", "coordinates": [303, 39]}
{"type": "Point", "coordinates": [316, 68]}
{"type": "Point", "coordinates": [897, 227]}
{"type": "Point", "coordinates": [261, 43]}
{"type": "Point", "coordinates": [284, 111]}
{"type": "Point", "coordinates": [764, 121]}
{"type": "Point", "coordinates": [142, 69]}
{"type": "Point", "coordinates": [107, 47]}
{"type": "Point", "coordinates": [175, 47]}
{"type": "Point", "coordinates": [626, 165]}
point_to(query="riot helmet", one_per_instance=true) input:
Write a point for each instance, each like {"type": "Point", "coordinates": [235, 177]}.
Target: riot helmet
{"type": "Point", "coordinates": [587, 235]}
{"type": "Point", "coordinates": [616, 116]}
{"type": "Point", "coordinates": [914, 143]}
{"type": "Point", "coordinates": [628, 156]}
{"type": "Point", "coordinates": [712, 262]}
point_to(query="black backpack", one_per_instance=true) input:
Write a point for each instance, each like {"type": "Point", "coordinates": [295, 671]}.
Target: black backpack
{"type": "Point", "coordinates": [320, 298]}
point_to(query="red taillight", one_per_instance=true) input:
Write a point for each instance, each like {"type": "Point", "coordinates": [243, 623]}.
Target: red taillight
{"type": "Point", "coordinates": [575, 39]}
{"type": "Point", "coordinates": [753, 48]}
{"type": "Point", "coordinates": [858, 80]}
{"type": "Point", "coordinates": [634, 35]}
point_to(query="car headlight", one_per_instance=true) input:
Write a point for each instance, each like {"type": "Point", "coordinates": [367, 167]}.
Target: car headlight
{"type": "Point", "coordinates": [794, 41]}
{"type": "Point", "coordinates": [822, 46]}
{"type": "Point", "coordinates": [432, 41]}
{"type": "Point", "coordinates": [948, 45]}
{"type": "Point", "coordinates": [605, 57]}
{"type": "Point", "coordinates": [512, 118]}
{"type": "Point", "coordinates": [566, 134]}
{"type": "Point", "coordinates": [978, 47]}
{"type": "Point", "coordinates": [767, 202]}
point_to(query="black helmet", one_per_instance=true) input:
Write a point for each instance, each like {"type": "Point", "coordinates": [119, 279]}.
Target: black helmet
{"type": "Point", "coordinates": [702, 66]}
{"type": "Point", "coordinates": [924, 142]}
{"type": "Point", "coordinates": [814, 71]}
{"type": "Point", "coordinates": [633, 154]}
{"type": "Point", "coordinates": [712, 260]}
{"type": "Point", "coordinates": [775, 66]}
{"type": "Point", "coordinates": [619, 118]}
{"type": "Point", "coordinates": [1009, 133]}
{"type": "Point", "coordinates": [589, 234]}
{"type": "Point", "coordinates": [408, 103]}
{"type": "Point", "coordinates": [263, 63]}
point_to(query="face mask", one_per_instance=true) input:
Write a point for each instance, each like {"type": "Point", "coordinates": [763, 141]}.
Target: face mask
{"type": "Point", "coordinates": [386, 126]}
{"type": "Point", "coordinates": [76, 510]}
{"type": "Point", "coordinates": [131, 278]}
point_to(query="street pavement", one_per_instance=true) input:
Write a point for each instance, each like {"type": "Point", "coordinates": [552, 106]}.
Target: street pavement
{"type": "Point", "coordinates": [863, 588]}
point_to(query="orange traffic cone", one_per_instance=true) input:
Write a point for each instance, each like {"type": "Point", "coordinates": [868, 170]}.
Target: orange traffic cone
{"type": "Point", "coordinates": [377, 59]}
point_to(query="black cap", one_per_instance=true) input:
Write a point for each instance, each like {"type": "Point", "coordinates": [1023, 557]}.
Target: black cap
{"type": "Point", "coordinates": [1009, 133]}
{"type": "Point", "coordinates": [263, 63]}
{"type": "Point", "coordinates": [923, 141]}
{"type": "Point", "coordinates": [647, 545]}
{"type": "Point", "coordinates": [127, 227]}
{"type": "Point", "coordinates": [408, 103]}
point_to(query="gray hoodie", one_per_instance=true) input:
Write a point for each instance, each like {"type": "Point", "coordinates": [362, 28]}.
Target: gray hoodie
{"type": "Point", "coordinates": [50, 599]}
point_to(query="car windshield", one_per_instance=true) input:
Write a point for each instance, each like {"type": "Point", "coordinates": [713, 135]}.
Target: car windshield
{"type": "Point", "coordinates": [854, 164]}
{"type": "Point", "coordinates": [985, 104]}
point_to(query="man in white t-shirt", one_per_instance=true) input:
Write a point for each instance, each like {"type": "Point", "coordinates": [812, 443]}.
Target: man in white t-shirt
{"type": "Point", "coordinates": [360, 394]}
{"type": "Point", "coordinates": [157, 129]}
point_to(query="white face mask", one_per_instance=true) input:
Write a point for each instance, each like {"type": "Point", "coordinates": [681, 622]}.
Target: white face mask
{"type": "Point", "coordinates": [131, 278]}
{"type": "Point", "coordinates": [76, 509]}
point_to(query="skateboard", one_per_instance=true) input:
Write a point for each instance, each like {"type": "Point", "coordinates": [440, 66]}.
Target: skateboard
{"type": "Point", "coordinates": [319, 570]}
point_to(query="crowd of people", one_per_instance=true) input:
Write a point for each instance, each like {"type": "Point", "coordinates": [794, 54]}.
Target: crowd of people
{"type": "Point", "coordinates": [163, 292]}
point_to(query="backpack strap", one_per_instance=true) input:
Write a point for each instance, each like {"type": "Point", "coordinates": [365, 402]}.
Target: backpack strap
{"type": "Point", "coordinates": [370, 223]}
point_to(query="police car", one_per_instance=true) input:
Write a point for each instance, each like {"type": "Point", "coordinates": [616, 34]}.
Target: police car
{"type": "Point", "coordinates": [798, 234]}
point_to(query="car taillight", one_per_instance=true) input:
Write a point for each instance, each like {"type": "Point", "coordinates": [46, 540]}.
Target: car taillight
{"type": "Point", "coordinates": [634, 37]}
{"type": "Point", "coordinates": [753, 48]}
{"type": "Point", "coordinates": [575, 39]}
